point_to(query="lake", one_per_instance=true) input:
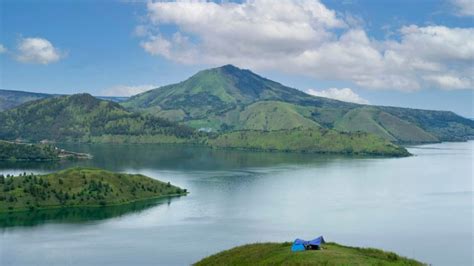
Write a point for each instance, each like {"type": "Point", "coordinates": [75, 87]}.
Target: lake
{"type": "Point", "coordinates": [420, 206]}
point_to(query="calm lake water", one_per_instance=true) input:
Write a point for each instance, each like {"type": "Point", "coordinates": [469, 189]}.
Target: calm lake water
{"type": "Point", "coordinates": [420, 207]}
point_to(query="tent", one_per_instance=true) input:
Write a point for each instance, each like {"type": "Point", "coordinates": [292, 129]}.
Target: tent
{"type": "Point", "coordinates": [300, 244]}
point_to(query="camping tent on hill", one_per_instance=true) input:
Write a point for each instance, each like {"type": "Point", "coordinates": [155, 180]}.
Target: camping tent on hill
{"type": "Point", "coordinates": [300, 244]}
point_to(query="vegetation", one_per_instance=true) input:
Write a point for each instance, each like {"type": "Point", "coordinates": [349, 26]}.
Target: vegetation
{"type": "Point", "coordinates": [11, 151]}
{"type": "Point", "coordinates": [84, 118]}
{"type": "Point", "coordinates": [79, 187]}
{"type": "Point", "coordinates": [308, 140]}
{"type": "Point", "coordinates": [228, 98]}
{"type": "Point", "coordinates": [280, 254]}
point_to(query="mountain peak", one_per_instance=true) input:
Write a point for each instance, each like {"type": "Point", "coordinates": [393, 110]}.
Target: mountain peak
{"type": "Point", "coordinates": [229, 67]}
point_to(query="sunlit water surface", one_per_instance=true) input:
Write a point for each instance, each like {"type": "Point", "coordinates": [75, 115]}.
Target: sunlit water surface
{"type": "Point", "coordinates": [420, 206]}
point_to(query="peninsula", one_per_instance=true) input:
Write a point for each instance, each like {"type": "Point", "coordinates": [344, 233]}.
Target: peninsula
{"type": "Point", "coordinates": [79, 187]}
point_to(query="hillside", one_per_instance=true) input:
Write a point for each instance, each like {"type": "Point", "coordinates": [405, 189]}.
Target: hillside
{"type": "Point", "coordinates": [228, 98]}
{"type": "Point", "coordinates": [75, 187]}
{"type": "Point", "coordinates": [308, 141]}
{"type": "Point", "coordinates": [280, 254]}
{"type": "Point", "coordinates": [84, 118]}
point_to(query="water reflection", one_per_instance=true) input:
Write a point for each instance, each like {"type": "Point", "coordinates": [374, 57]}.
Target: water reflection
{"type": "Point", "coordinates": [76, 215]}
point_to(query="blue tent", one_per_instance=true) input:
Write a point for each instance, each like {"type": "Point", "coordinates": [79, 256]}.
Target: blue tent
{"type": "Point", "coordinates": [300, 244]}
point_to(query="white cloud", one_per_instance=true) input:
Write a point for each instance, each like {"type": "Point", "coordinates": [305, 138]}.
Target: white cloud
{"type": "Point", "coordinates": [344, 94]}
{"type": "Point", "coordinates": [463, 7]}
{"type": "Point", "coordinates": [2, 49]}
{"type": "Point", "coordinates": [125, 90]}
{"type": "Point", "coordinates": [306, 37]}
{"type": "Point", "coordinates": [37, 51]}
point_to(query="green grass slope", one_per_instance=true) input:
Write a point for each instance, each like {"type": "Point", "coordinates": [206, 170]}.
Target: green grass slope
{"type": "Point", "coordinates": [272, 115]}
{"type": "Point", "coordinates": [85, 187]}
{"type": "Point", "coordinates": [362, 119]}
{"type": "Point", "coordinates": [308, 140]}
{"type": "Point", "coordinates": [444, 125]}
{"type": "Point", "coordinates": [383, 124]}
{"type": "Point", "coordinates": [84, 118]}
{"type": "Point", "coordinates": [280, 254]}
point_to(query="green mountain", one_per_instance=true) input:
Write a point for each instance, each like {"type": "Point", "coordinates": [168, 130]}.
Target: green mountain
{"type": "Point", "coordinates": [228, 98]}
{"type": "Point", "coordinates": [10, 99]}
{"type": "Point", "coordinates": [79, 187]}
{"type": "Point", "coordinates": [84, 118]}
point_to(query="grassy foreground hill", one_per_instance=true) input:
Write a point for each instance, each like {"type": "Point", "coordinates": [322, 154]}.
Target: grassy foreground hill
{"type": "Point", "coordinates": [84, 118]}
{"type": "Point", "coordinates": [280, 254]}
{"type": "Point", "coordinates": [228, 98]}
{"type": "Point", "coordinates": [79, 187]}
{"type": "Point", "coordinates": [308, 140]}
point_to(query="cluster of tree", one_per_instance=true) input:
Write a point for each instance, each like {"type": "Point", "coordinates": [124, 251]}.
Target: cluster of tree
{"type": "Point", "coordinates": [78, 188]}
{"type": "Point", "coordinates": [27, 152]}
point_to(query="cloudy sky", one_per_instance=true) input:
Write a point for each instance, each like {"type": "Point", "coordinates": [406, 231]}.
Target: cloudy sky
{"type": "Point", "coordinates": [404, 53]}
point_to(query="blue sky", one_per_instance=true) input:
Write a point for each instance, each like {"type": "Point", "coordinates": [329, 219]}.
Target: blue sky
{"type": "Point", "coordinates": [403, 53]}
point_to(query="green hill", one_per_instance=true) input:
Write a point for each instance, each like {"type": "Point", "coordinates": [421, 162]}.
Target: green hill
{"type": "Point", "coordinates": [84, 118]}
{"type": "Point", "coordinates": [309, 141]}
{"type": "Point", "coordinates": [228, 98]}
{"type": "Point", "coordinates": [280, 254]}
{"type": "Point", "coordinates": [79, 187]}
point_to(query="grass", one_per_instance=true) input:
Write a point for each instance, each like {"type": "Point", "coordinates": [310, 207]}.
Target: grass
{"type": "Point", "coordinates": [308, 141]}
{"type": "Point", "coordinates": [273, 115]}
{"type": "Point", "coordinates": [383, 124]}
{"type": "Point", "coordinates": [280, 254]}
{"type": "Point", "coordinates": [79, 187]}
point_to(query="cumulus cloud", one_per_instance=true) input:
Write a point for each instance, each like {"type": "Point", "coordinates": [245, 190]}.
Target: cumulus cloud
{"type": "Point", "coordinates": [125, 90]}
{"type": "Point", "coordinates": [2, 49]}
{"type": "Point", "coordinates": [37, 51]}
{"type": "Point", "coordinates": [306, 37]}
{"type": "Point", "coordinates": [344, 94]}
{"type": "Point", "coordinates": [463, 7]}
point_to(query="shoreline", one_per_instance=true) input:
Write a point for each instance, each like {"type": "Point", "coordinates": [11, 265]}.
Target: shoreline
{"type": "Point", "coordinates": [54, 207]}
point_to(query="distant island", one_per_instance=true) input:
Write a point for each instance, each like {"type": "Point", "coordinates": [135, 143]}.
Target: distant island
{"type": "Point", "coordinates": [14, 151]}
{"type": "Point", "coordinates": [280, 254]}
{"type": "Point", "coordinates": [79, 187]}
